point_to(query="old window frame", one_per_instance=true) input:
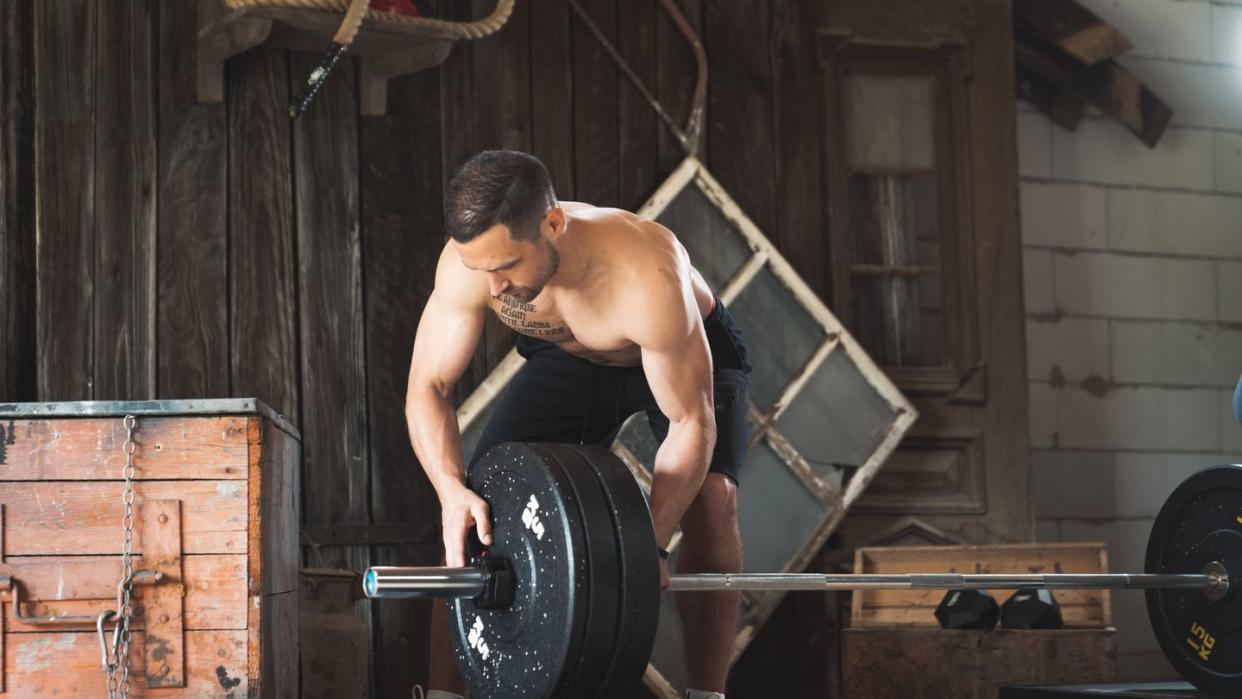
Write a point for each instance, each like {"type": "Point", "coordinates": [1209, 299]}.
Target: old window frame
{"type": "Point", "coordinates": [961, 376]}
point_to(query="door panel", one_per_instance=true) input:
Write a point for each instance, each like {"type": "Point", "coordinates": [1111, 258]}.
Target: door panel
{"type": "Point", "coordinates": [921, 184]}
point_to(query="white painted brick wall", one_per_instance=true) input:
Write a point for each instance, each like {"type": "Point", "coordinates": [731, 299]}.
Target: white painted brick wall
{"type": "Point", "coordinates": [1227, 34]}
{"type": "Point", "coordinates": [1139, 418]}
{"type": "Point", "coordinates": [1068, 348]}
{"type": "Point", "coordinates": [1133, 259]}
{"type": "Point", "coordinates": [1228, 151]}
{"type": "Point", "coordinates": [1187, 354]}
{"type": "Point", "coordinates": [1091, 472]}
{"type": "Point", "coordinates": [1059, 215]}
{"type": "Point", "coordinates": [1174, 223]}
{"type": "Point", "coordinates": [1229, 290]}
{"type": "Point", "coordinates": [1103, 151]}
{"type": "Point", "coordinates": [1131, 286]}
{"type": "Point", "coordinates": [1042, 416]}
{"type": "Point", "coordinates": [1144, 479]}
{"type": "Point", "coordinates": [1037, 281]}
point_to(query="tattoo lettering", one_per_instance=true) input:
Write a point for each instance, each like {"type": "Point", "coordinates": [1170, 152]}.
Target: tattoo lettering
{"type": "Point", "coordinates": [517, 305]}
{"type": "Point", "coordinates": [513, 314]}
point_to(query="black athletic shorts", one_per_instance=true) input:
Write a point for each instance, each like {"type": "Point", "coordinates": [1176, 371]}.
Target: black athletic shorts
{"type": "Point", "coordinates": [557, 397]}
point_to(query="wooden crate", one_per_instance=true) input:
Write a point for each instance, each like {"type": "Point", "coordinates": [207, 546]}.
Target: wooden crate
{"type": "Point", "coordinates": [1080, 608]}
{"type": "Point", "coordinates": [895, 647]}
{"type": "Point", "coordinates": [216, 512]}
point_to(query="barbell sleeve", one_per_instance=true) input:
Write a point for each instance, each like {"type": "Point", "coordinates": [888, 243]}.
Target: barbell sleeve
{"type": "Point", "coordinates": [424, 582]}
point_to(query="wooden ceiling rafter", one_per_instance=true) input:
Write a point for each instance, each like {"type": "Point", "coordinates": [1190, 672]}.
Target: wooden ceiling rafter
{"type": "Point", "coordinates": [1063, 59]}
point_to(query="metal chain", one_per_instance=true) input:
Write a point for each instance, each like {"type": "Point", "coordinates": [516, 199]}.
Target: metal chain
{"type": "Point", "coordinates": [118, 670]}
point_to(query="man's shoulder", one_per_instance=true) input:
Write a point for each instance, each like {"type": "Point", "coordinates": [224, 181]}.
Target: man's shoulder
{"type": "Point", "coordinates": [629, 238]}
{"type": "Point", "coordinates": [458, 285]}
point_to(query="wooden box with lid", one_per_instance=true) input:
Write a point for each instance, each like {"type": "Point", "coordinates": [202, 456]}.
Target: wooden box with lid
{"type": "Point", "coordinates": [213, 534]}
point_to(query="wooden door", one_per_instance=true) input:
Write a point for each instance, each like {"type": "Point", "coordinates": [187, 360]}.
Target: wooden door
{"type": "Point", "coordinates": [921, 184]}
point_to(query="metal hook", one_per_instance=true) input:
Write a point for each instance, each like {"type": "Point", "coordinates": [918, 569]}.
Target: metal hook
{"type": "Point", "coordinates": [105, 658]}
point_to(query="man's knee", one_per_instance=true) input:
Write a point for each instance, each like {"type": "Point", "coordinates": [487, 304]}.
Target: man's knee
{"type": "Point", "coordinates": [715, 507]}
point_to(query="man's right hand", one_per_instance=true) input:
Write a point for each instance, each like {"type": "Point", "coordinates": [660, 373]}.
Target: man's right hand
{"type": "Point", "coordinates": [461, 509]}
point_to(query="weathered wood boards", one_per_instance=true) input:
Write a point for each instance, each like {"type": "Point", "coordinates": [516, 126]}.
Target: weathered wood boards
{"type": "Point", "coordinates": [216, 512]}
{"type": "Point", "coordinates": [893, 641]}
{"type": "Point", "coordinates": [971, 664]}
{"type": "Point", "coordinates": [1073, 28]}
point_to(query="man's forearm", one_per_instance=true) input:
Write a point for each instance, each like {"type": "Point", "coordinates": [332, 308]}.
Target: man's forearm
{"type": "Point", "coordinates": [680, 466]}
{"type": "Point", "coordinates": [436, 438]}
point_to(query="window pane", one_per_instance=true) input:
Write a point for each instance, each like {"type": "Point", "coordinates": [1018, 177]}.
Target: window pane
{"type": "Point", "coordinates": [716, 249]}
{"type": "Point", "coordinates": [780, 335]}
{"type": "Point", "coordinates": [895, 262]}
{"type": "Point", "coordinates": [889, 122]}
{"type": "Point", "coordinates": [776, 512]}
{"type": "Point", "coordinates": [837, 418]}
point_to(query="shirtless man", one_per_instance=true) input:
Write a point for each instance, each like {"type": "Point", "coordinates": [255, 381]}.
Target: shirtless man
{"type": "Point", "coordinates": [612, 320]}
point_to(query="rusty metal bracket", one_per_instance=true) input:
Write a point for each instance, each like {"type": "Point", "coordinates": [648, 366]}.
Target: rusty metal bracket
{"type": "Point", "coordinates": [13, 585]}
{"type": "Point", "coordinates": [163, 607]}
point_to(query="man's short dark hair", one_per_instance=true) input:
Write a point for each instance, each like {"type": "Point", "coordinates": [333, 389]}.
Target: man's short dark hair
{"type": "Point", "coordinates": [498, 187]}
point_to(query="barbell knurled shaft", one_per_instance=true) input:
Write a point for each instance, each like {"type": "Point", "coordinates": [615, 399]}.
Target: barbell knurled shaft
{"type": "Point", "coordinates": [936, 581]}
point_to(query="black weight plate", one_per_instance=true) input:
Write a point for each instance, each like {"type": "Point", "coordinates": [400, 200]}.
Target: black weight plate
{"type": "Point", "coordinates": [531, 648]}
{"type": "Point", "coordinates": [1201, 522]}
{"type": "Point", "coordinates": [584, 675]}
{"type": "Point", "coordinates": [639, 583]}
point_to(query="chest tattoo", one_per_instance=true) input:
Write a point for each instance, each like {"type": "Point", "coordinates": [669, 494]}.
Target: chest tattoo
{"type": "Point", "coordinates": [514, 314]}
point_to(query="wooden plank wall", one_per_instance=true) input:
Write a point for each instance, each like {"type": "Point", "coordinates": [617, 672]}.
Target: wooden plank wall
{"type": "Point", "coordinates": [152, 246]}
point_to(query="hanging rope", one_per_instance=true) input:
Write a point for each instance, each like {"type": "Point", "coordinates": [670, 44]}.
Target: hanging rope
{"type": "Point", "coordinates": [358, 10]}
{"type": "Point", "coordinates": [687, 136]}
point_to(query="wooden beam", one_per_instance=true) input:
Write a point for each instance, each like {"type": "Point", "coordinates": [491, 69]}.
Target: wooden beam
{"type": "Point", "coordinates": [1062, 106]}
{"type": "Point", "coordinates": [221, 39]}
{"type": "Point", "coordinates": [1073, 28]}
{"type": "Point", "coordinates": [377, 69]}
{"type": "Point", "coordinates": [1106, 85]}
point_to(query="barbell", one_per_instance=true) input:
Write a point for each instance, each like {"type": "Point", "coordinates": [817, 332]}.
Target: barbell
{"type": "Point", "coordinates": [564, 603]}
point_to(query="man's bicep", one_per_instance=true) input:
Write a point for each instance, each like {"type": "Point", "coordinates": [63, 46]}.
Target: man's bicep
{"type": "Point", "coordinates": [444, 344]}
